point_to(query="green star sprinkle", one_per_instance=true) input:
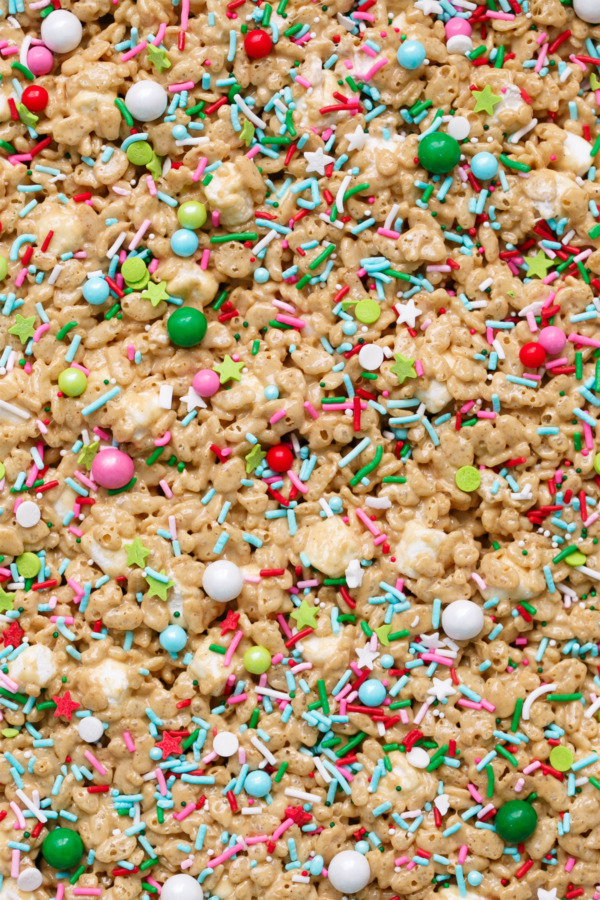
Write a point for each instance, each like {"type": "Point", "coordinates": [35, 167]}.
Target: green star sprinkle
{"type": "Point", "coordinates": [23, 328]}
{"type": "Point", "coordinates": [158, 57]}
{"type": "Point", "coordinates": [87, 454]}
{"type": "Point", "coordinates": [155, 292]}
{"type": "Point", "coordinates": [305, 615]}
{"type": "Point", "coordinates": [538, 265]}
{"type": "Point", "coordinates": [136, 553]}
{"type": "Point", "coordinates": [247, 132]}
{"type": "Point", "coordinates": [158, 588]}
{"type": "Point", "coordinates": [403, 368]}
{"type": "Point", "coordinates": [26, 116]}
{"type": "Point", "coordinates": [254, 458]}
{"type": "Point", "coordinates": [486, 100]}
{"type": "Point", "coordinates": [229, 370]}
{"type": "Point", "coordinates": [383, 634]}
{"type": "Point", "coordinates": [6, 600]}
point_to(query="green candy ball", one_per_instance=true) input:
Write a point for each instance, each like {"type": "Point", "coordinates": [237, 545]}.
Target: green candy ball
{"type": "Point", "coordinates": [257, 660]}
{"type": "Point", "coordinates": [3, 267]}
{"type": "Point", "coordinates": [439, 153]}
{"type": "Point", "coordinates": [186, 326]}
{"type": "Point", "coordinates": [62, 848]}
{"type": "Point", "coordinates": [192, 214]}
{"type": "Point", "coordinates": [72, 382]}
{"type": "Point", "coordinates": [516, 821]}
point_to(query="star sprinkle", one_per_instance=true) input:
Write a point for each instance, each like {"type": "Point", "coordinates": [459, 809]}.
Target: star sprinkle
{"type": "Point", "coordinates": [383, 634]}
{"type": "Point", "coordinates": [408, 313]}
{"type": "Point", "coordinates": [486, 100]}
{"type": "Point", "coordinates": [169, 744]}
{"type": "Point", "coordinates": [158, 588]}
{"type": "Point", "coordinates": [254, 458]}
{"type": "Point", "coordinates": [230, 622]}
{"type": "Point", "coordinates": [403, 368]}
{"type": "Point", "coordinates": [538, 265]}
{"type": "Point", "coordinates": [247, 132]}
{"type": "Point", "coordinates": [317, 161]}
{"type": "Point", "coordinates": [358, 138]}
{"type": "Point", "coordinates": [429, 7]}
{"type": "Point", "coordinates": [193, 399]}
{"type": "Point", "coordinates": [441, 689]}
{"type": "Point", "coordinates": [13, 635]}
{"type": "Point", "coordinates": [23, 328]}
{"type": "Point", "coordinates": [305, 615]}
{"type": "Point", "coordinates": [546, 895]}
{"type": "Point", "coordinates": [155, 292]}
{"type": "Point", "coordinates": [65, 706]}
{"type": "Point", "coordinates": [6, 600]}
{"type": "Point", "coordinates": [366, 657]}
{"type": "Point", "coordinates": [26, 116]}
{"type": "Point", "coordinates": [158, 57]}
{"type": "Point", "coordinates": [229, 370]}
{"type": "Point", "coordinates": [87, 454]}
{"type": "Point", "coordinates": [136, 553]}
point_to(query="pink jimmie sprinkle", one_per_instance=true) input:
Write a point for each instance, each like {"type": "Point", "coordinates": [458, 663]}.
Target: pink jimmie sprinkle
{"type": "Point", "coordinates": [185, 812]}
{"type": "Point", "coordinates": [570, 863]}
{"type": "Point", "coordinates": [277, 416]}
{"type": "Point", "coordinates": [232, 648]}
{"type": "Point", "coordinates": [128, 741]}
{"type": "Point", "coordinates": [95, 762]}
{"type": "Point", "coordinates": [310, 409]}
{"type": "Point", "coordinates": [419, 367]}
{"type": "Point", "coordinates": [181, 86]}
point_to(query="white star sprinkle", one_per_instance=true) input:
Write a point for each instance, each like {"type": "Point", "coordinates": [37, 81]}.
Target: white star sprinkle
{"type": "Point", "coordinates": [366, 657]}
{"type": "Point", "coordinates": [357, 139]}
{"type": "Point", "coordinates": [317, 161]}
{"type": "Point", "coordinates": [442, 803]}
{"type": "Point", "coordinates": [193, 400]}
{"type": "Point", "coordinates": [408, 313]}
{"type": "Point", "coordinates": [428, 7]}
{"type": "Point", "coordinates": [441, 689]}
{"type": "Point", "coordinates": [546, 895]}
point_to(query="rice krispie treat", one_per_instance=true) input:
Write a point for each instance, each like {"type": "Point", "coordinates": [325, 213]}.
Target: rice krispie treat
{"type": "Point", "coordinates": [299, 391]}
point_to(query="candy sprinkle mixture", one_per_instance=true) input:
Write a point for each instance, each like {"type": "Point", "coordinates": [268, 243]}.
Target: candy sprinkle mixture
{"type": "Point", "coordinates": [299, 490]}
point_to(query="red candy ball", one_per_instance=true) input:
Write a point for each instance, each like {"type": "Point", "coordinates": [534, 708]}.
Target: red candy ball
{"type": "Point", "coordinates": [35, 98]}
{"type": "Point", "coordinates": [532, 355]}
{"type": "Point", "coordinates": [258, 44]}
{"type": "Point", "coordinates": [280, 458]}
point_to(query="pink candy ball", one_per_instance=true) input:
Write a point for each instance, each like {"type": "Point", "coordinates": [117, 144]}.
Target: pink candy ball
{"type": "Point", "coordinates": [112, 468]}
{"type": "Point", "coordinates": [552, 339]}
{"type": "Point", "coordinates": [40, 60]}
{"type": "Point", "coordinates": [458, 26]}
{"type": "Point", "coordinates": [206, 382]}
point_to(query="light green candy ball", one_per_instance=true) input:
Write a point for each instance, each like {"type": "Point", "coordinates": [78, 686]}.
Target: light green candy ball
{"type": "Point", "coordinates": [72, 382]}
{"type": "Point", "coordinates": [257, 660]}
{"type": "Point", "coordinates": [192, 214]}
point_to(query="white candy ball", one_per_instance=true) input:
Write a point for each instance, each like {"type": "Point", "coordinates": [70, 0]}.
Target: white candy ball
{"type": "Point", "coordinates": [460, 43]}
{"type": "Point", "coordinates": [90, 729]}
{"type": "Point", "coordinates": [146, 100]}
{"type": "Point", "coordinates": [223, 581]}
{"type": "Point", "coordinates": [61, 31]}
{"type": "Point", "coordinates": [370, 357]}
{"type": "Point", "coordinates": [459, 128]}
{"type": "Point", "coordinates": [28, 514]}
{"type": "Point", "coordinates": [225, 743]}
{"type": "Point", "coordinates": [587, 10]}
{"type": "Point", "coordinates": [348, 871]}
{"type": "Point", "coordinates": [181, 887]}
{"type": "Point", "coordinates": [29, 880]}
{"type": "Point", "coordinates": [462, 620]}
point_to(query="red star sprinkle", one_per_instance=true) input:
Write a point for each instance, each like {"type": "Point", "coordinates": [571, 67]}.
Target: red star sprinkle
{"type": "Point", "coordinates": [169, 745]}
{"type": "Point", "coordinates": [12, 635]}
{"type": "Point", "coordinates": [298, 815]}
{"type": "Point", "coordinates": [230, 622]}
{"type": "Point", "coordinates": [65, 706]}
